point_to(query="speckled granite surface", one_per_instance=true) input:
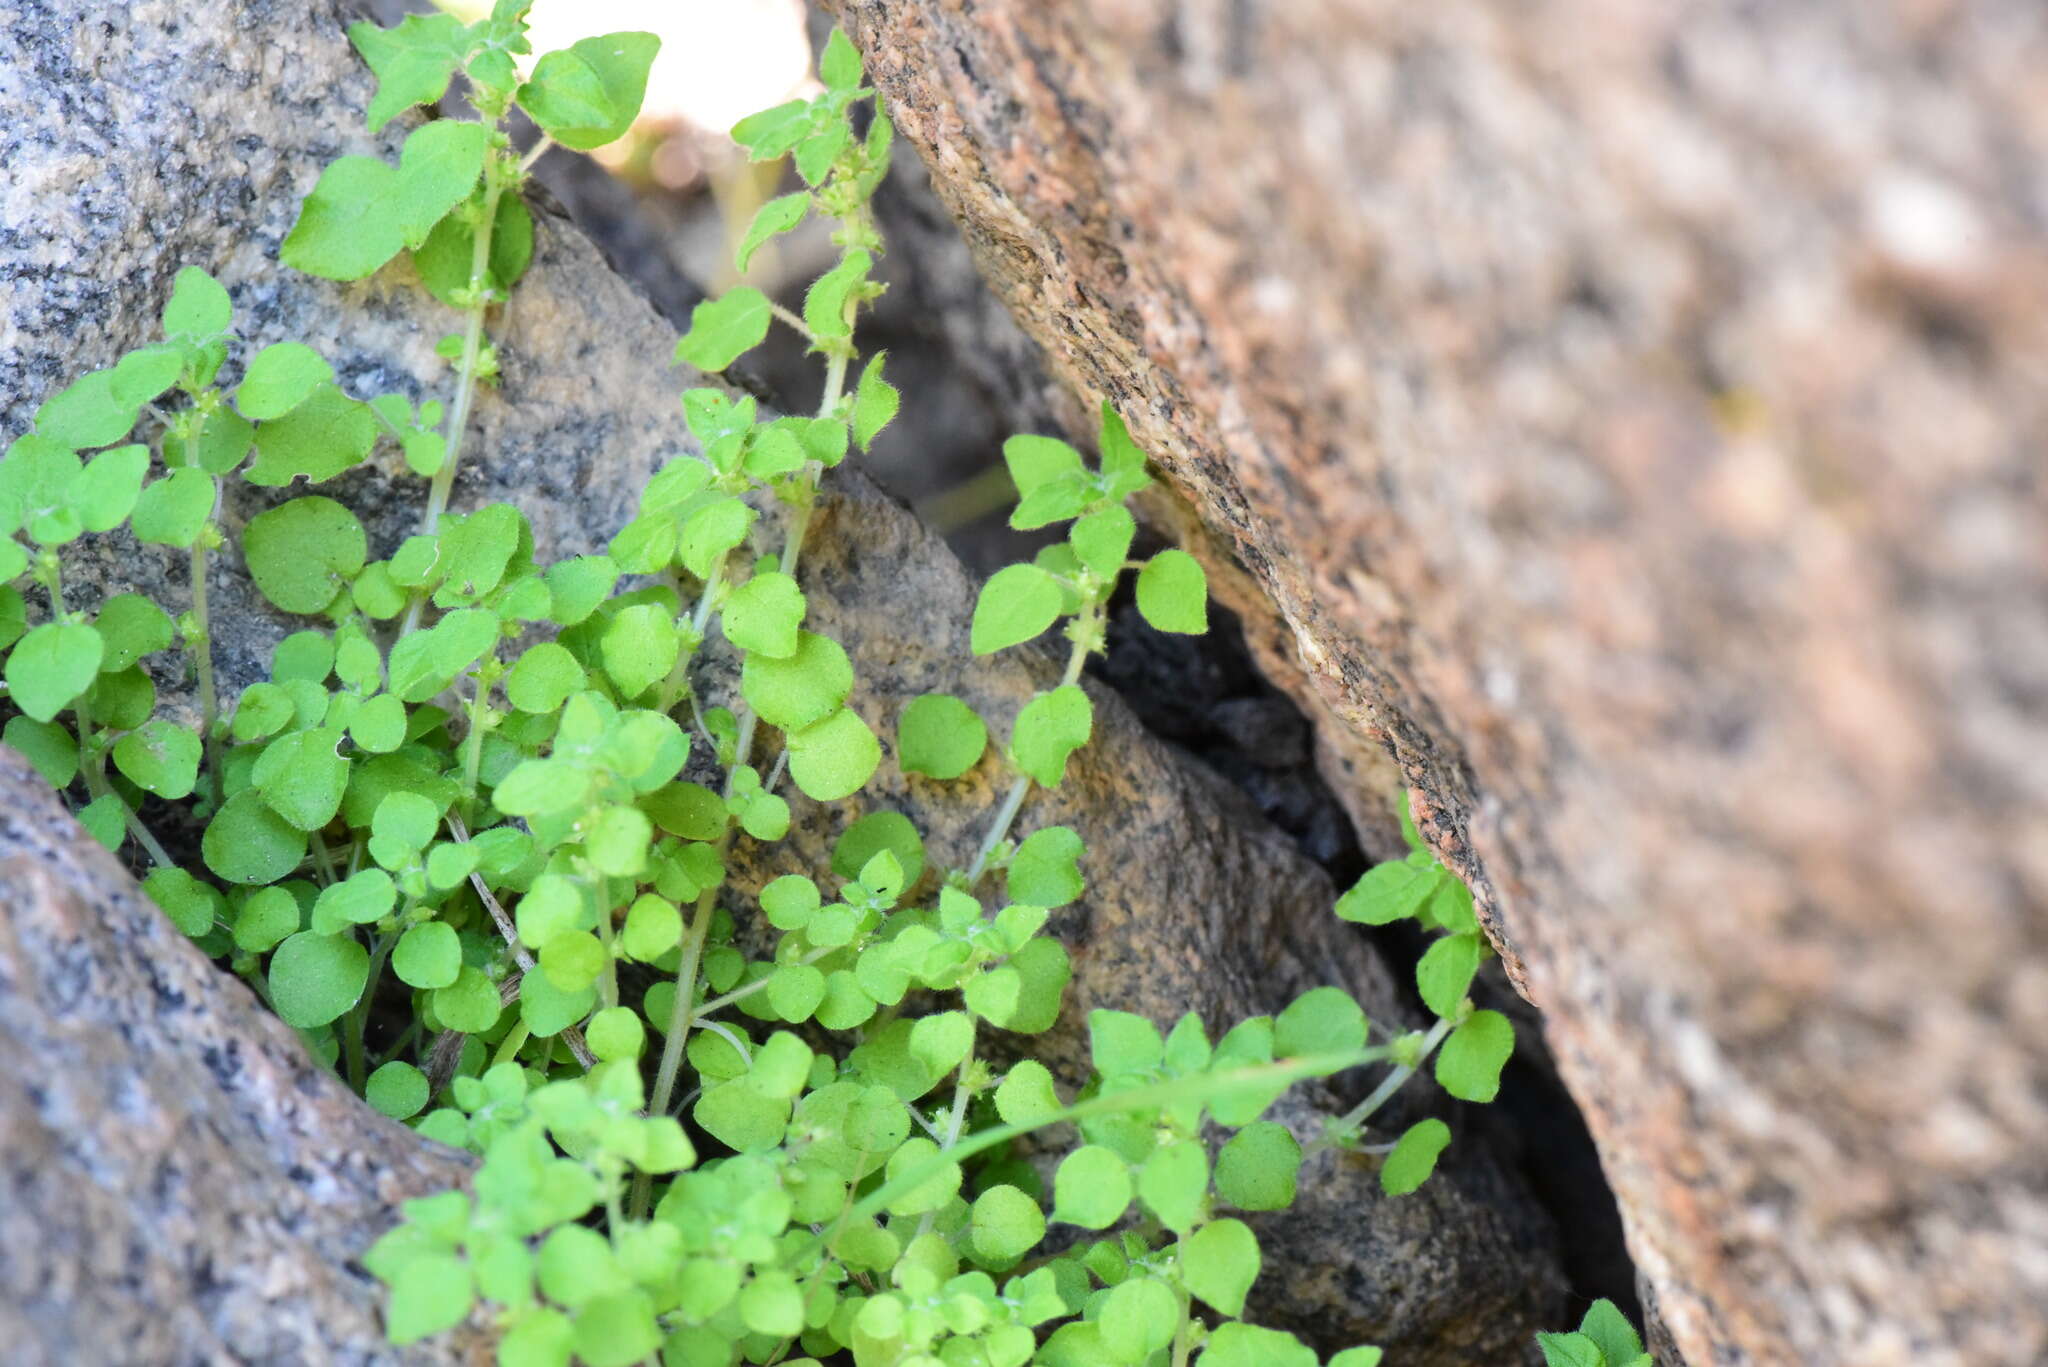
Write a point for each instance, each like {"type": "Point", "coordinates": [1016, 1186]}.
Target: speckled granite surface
{"type": "Point", "coordinates": [180, 1183]}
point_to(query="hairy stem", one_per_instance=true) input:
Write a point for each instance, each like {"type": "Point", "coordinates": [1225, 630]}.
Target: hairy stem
{"type": "Point", "coordinates": [472, 347]}
{"type": "Point", "coordinates": [1085, 636]}
{"type": "Point", "coordinates": [802, 328]}
{"type": "Point", "coordinates": [1391, 1083]}
{"type": "Point", "coordinates": [1183, 1335]}
{"type": "Point", "coordinates": [457, 428]}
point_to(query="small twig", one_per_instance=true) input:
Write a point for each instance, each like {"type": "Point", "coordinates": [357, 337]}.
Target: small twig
{"type": "Point", "coordinates": [447, 1048]}
{"type": "Point", "coordinates": [448, 1045]}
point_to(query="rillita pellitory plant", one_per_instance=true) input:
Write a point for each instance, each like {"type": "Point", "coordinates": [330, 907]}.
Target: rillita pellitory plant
{"type": "Point", "coordinates": [462, 787]}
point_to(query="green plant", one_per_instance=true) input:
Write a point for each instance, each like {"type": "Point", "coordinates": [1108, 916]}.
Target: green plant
{"type": "Point", "coordinates": [460, 799]}
{"type": "Point", "coordinates": [1604, 1338]}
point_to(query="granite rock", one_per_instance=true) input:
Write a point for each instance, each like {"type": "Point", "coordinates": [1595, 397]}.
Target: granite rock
{"type": "Point", "coordinates": [1625, 417]}
{"type": "Point", "coordinates": [180, 1182]}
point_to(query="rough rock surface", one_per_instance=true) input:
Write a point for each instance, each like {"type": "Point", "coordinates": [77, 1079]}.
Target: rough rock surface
{"type": "Point", "coordinates": [143, 139]}
{"type": "Point", "coordinates": [179, 1181]}
{"type": "Point", "coordinates": [1631, 414]}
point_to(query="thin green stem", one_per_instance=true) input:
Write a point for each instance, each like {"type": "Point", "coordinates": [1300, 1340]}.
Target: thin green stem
{"type": "Point", "coordinates": [1085, 636]}
{"type": "Point", "coordinates": [746, 990]}
{"type": "Point", "coordinates": [1391, 1083]}
{"type": "Point", "coordinates": [803, 329]}
{"type": "Point", "coordinates": [613, 1224]}
{"type": "Point", "coordinates": [49, 571]}
{"type": "Point", "coordinates": [572, 1037]}
{"type": "Point", "coordinates": [404, 1042]}
{"type": "Point", "coordinates": [999, 829]}
{"type": "Point", "coordinates": [678, 681]}
{"type": "Point", "coordinates": [202, 662]}
{"type": "Point", "coordinates": [1252, 1077]}
{"type": "Point", "coordinates": [680, 1018]}
{"type": "Point", "coordinates": [457, 428]}
{"type": "Point", "coordinates": [509, 1047]}
{"type": "Point", "coordinates": [955, 1122]}
{"type": "Point", "coordinates": [96, 784]}
{"type": "Point", "coordinates": [358, 1018]}
{"type": "Point", "coordinates": [608, 981]}
{"type": "Point", "coordinates": [201, 640]}
{"type": "Point", "coordinates": [473, 742]}
{"type": "Point", "coordinates": [323, 862]}
{"type": "Point", "coordinates": [1184, 1335]}
{"type": "Point", "coordinates": [472, 346]}
{"type": "Point", "coordinates": [535, 153]}
{"type": "Point", "coordinates": [686, 1012]}
{"type": "Point", "coordinates": [92, 755]}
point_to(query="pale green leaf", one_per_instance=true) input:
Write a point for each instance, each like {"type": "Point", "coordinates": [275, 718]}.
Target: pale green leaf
{"type": "Point", "coordinates": [721, 329]}
{"type": "Point", "coordinates": [1017, 603]}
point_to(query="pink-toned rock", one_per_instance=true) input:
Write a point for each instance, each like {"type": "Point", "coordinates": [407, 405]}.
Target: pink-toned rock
{"type": "Point", "coordinates": [1629, 418]}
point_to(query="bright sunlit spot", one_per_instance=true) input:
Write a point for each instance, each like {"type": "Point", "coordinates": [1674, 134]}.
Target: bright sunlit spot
{"type": "Point", "coordinates": [720, 60]}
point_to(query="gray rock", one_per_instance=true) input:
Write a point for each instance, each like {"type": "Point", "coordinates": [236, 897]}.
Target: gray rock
{"type": "Point", "coordinates": [179, 1181]}
{"type": "Point", "coordinates": [147, 138]}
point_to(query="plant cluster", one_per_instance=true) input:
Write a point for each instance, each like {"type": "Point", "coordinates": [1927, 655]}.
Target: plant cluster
{"type": "Point", "coordinates": [460, 801]}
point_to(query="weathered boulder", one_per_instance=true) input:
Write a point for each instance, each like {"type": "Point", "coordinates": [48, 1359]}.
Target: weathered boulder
{"type": "Point", "coordinates": [180, 1182]}
{"type": "Point", "coordinates": [1627, 417]}
{"type": "Point", "coordinates": [143, 139]}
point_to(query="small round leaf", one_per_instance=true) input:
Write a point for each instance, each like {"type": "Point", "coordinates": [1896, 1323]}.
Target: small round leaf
{"type": "Point", "coordinates": [1414, 1157]}
{"type": "Point", "coordinates": [1017, 603]}
{"type": "Point", "coordinates": [397, 1089]}
{"type": "Point", "coordinates": [428, 955]}
{"type": "Point", "coordinates": [832, 758]}
{"type": "Point", "coordinates": [939, 736]}
{"type": "Point", "coordinates": [1173, 593]}
{"type": "Point", "coordinates": [314, 978]}
{"type": "Point", "coordinates": [302, 552]}
{"type": "Point", "coordinates": [247, 842]}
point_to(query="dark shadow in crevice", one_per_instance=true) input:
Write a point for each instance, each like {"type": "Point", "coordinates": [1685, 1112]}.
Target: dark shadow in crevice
{"type": "Point", "coordinates": [1206, 696]}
